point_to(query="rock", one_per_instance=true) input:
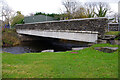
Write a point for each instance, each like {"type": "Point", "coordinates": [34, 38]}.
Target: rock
{"type": "Point", "coordinates": [108, 37]}
{"type": "Point", "coordinates": [47, 51]}
{"type": "Point", "coordinates": [79, 48]}
{"type": "Point", "coordinates": [114, 42]}
{"type": "Point", "coordinates": [99, 41]}
{"type": "Point", "coordinates": [107, 49]}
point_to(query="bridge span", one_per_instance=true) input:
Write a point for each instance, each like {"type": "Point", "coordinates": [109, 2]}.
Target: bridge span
{"type": "Point", "coordinates": [86, 36]}
{"type": "Point", "coordinates": [86, 30]}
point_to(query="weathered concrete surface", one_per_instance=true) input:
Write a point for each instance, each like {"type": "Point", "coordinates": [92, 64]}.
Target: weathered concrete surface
{"type": "Point", "coordinates": [85, 24]}
{"type": "Point", "coordinates": [88, 36]}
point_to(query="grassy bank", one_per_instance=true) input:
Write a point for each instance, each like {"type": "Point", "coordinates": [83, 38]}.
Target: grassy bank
{"type": "Point", "coordinates": [116, 33]}
{"type": "Point", "coordinates": [86, 63]}
{"type": "Point", "coordinates": [112, 33]}
{"type": "Point", "coordinates": [10, 37]}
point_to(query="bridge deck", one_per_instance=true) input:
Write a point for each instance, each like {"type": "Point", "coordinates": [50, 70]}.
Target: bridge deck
{"type": "Point", "coordinates": [86, 36]}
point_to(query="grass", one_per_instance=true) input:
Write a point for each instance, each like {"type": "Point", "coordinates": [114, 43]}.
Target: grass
{"type": "Point", "coordinates": [86, 63]}
{"type": "Point", "coordinates": [104, 45]}
{"type": "Point", "coordinates": [112, 33]}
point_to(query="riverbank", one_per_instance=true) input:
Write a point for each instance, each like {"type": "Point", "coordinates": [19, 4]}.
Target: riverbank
{"type": "Point", "coordinates": [10, 37]}
{"type": "Point", "coordinates": [86, 63]}
{"type": "Point", "coordinates": [114, 33]}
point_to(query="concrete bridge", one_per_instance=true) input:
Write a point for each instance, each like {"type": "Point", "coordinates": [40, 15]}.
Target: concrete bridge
{"type": "Point", "coordinates": [86, 29]}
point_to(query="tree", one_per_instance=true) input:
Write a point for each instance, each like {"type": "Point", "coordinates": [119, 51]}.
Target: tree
{"type": "Point", "coordinates": [90, 9]}
{"type": "Point", "coordinates": [74, 9]}
{"type": "Point", "coordinates": [115, 15]}
{"type": "Point", "coordinates": [56, 16]}
{"type": "Point", "coordinates": [70, 7]}
{"type": "Point", "coordinates": [80, 13]}
{"type": "Point", "coordinates": [18, 19]}
{"type": "Point", "coordinates": [7, 13]}
{"type": "Point", "coordinates": [102, 9]}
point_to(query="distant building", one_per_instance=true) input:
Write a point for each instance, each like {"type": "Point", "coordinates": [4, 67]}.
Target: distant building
{"type": "Point", "coordinates": [38, 18]}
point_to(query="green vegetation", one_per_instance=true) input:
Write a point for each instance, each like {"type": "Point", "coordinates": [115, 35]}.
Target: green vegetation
{"type": "Point", "coordinates": [104, 45]}
{"type": "Point", "coordinates": [102, 11]}
{"type": "Point", "coordinates": [86, 63]}
{"type": "Point", "coordinates": [18, 19]}
{"type": "Point", "coordinates": [116, 33]}
{"type": "Point", "coordinates": [112, 33]}
{"type": "Point", "coordinates": [9, 37]}
{"type": "Point", "coordinates": [57, 16]}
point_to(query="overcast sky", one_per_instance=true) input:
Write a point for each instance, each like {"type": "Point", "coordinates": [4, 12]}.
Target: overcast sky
{"type": "Point", "coordinates": [49, 6]}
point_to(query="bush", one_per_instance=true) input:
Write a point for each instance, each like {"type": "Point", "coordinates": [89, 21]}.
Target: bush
{"type": "Point", "coordinates": [10, 37]}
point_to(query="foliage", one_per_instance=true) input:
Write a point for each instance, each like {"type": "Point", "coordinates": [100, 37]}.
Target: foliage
{"type": "Point", "coordinates": [86, 63]}
{"type": "Point", "coordinates": [103, 45]}
{"type": "Point", "coordinates": [39, 13]}
{"type": "Point", "coordinates": [9, 37]}
{"type": "Point", "coordinates": [112, 33]}
{"type": "Point", "coordinates": [80, 13]}
{"type": "Point", "coordinates": [88, 10]}
{"type": "Point", "coordinates": [57, 16]}
{"type": "Point", "coordinates": [90, 15]}
{"type": "Point", "coordinates": [102, 9]}
{"type": "Point", "coordinates": [70, 9]}
{"type": "Point", "coordinates": [101, 12]}
{"type": "Point", "coordinates": [117, 33]}
{"type": "Point", "coordinates": [18, 19]}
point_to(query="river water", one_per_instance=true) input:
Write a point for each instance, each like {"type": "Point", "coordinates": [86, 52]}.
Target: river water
{"type": "Point", "coordinates": [40, 45]}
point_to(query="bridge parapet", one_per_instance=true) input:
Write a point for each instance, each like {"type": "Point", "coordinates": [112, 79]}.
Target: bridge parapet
{"type": "Point", "coordinates": [74, 25]}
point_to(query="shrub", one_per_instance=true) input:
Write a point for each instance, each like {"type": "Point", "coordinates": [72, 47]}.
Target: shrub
{"type": "Point", "coordinates": [10, 37]}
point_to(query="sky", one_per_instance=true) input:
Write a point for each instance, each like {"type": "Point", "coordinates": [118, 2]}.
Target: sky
{"type": "Point", "coordinates": [49, 6]}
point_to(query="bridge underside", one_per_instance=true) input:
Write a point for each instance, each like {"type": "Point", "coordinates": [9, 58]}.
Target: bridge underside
{"type": "Point", "coordinates": [68, 35]}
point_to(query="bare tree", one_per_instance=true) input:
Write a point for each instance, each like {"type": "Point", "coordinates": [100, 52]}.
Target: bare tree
{"type": "Point", "coordinates": [115, 15]}
{"type": "Point", "coordinates": [7, 13]}
{"type": "Point", "coordinates": [74, 9]}
{"type": "Point", "coordinates": [70, 7]}
{"type": "Point", "coordinates": [90, 9]}
{"type": "Point", "coordinates": [80, 13]}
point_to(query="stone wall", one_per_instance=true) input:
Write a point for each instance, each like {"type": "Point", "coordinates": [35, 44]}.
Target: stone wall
{"type": "Point", "coordinates": [113, 27]}
{"type": "Point", "coordinates": [85, 24]}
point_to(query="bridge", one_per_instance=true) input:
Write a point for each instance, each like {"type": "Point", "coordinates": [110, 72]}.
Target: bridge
{"type": "Point", "coordinates": [86, 29]}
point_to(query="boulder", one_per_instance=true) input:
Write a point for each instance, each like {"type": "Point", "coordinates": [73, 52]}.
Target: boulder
{"type": "Point", "coordinates": [47, 51]}
{"type": "Point", "coordinates": [79, 48]}
{"type": "Point", "coordinates": [107, 49]}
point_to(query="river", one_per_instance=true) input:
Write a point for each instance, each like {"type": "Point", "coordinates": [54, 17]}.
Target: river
{"type": "Point", "coordinates": [40, 45]}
